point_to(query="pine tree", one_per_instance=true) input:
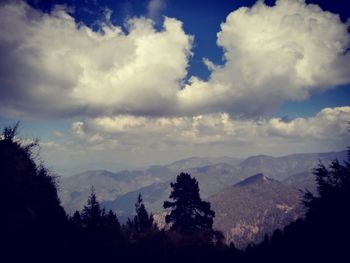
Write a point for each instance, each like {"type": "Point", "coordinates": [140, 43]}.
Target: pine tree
{"type": "Point", "coordinates": [112, 223]}
{"type": "Point", "coordinates": [76, 219]}
{"type": "Point", "coordinates": [189, 214]}
{"type": "Point", "coordinates": [142, 221]}
{"type": "Point", "coordinates": [92, 214]}
{"type": "Point", "coordinates": [112, 219]}
{"type": "Point", "coordinates": [111, 227]}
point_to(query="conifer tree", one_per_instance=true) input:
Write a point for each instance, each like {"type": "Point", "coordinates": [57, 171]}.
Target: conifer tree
{"type": "Point", "coordinates": [112, 223]}
{"type": "Point", "coordinates": [92, 214]}
{"type": "Point", "coordinates": [76, 219]}
{"type": "Point", "coordinates": [142, 221]}
{"type": "Point", "coordinates": [189, 214]}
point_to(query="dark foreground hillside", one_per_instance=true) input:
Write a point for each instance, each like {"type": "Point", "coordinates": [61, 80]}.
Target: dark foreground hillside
{"type": "Point", "coordinates": [35, 228]}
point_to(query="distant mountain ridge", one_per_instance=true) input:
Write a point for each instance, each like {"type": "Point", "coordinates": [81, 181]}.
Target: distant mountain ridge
{"type": "Point", "coordinates": [254, 179]}
{"type": "Point", "coordinates": [282, 167]}
{"type": "Point", "coordinates": [119, 190]}
{"type": "Point", "coordinates": [214, 178]}
{"type": "Point", "coordinates": [247, 203]}
{"type": "Point", "coordinates": [194, 162]}
{"type": "Point", "coordinates": [108, 185]}
{"type": "Point", "coordinates": [75, 189]}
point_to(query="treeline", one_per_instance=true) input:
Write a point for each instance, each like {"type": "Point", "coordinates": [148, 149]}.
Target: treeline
{"type": "Point", "coordinates": [34, 226]}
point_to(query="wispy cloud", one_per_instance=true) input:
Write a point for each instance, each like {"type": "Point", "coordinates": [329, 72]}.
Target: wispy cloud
{"type": "Point", "coordinates": [155, 9]}
{"type": "Point", "coordinates": [58, 133]}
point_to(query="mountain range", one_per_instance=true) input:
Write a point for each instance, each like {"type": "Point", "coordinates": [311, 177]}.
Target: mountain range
{"type": "Point", "coordinates": [109, 186]}
{"type": "Point", "coordinates": [251, 197]}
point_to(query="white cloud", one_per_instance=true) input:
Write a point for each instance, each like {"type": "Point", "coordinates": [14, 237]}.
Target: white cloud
{"type": "Point", "coordinates": [273, 54]}
{"type": "Point", "coordinates": [50, 65]}
{"type": "Point", "coordinates": [49, 62]}
{"type": "Point", "coordinates": [330, 124]}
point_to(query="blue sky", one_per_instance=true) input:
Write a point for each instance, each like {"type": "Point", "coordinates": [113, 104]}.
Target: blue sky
{"type": "Point", "coordinates": [217, 96]}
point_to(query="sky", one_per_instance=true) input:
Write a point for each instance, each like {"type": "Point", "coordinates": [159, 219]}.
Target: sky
{"type": "Point", "coordinates": [126, 84]}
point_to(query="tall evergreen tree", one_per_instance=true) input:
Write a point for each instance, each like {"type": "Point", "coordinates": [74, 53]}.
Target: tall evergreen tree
{"type": "Point", "coordinates": [76, 219]}
{"type": "Point", "coordinates": [189, 214]}
{"type": "Point", "coordinates": [142, 221]}
{"type": "Point", "coordinates": [112, 225]}
{"type": "Point", "coordinates": [92, 214]}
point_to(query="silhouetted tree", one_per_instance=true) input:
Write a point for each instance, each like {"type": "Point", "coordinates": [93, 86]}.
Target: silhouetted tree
{"type": "Point", "coordinates": [112, 228]}
{"type": "Point", "coordinates": [112, 221]}
{"type": "Point", "coordinates": [76, 219]}
{"type": "Point", "coordinates": [92, 214]}
{"type": "Point", "coordinates": [332, 183]}
{"type": "Point", "coordinates": [142, 221]}
{"type": "Point", "coordinates": [189, 214]}
{"type": "Point", "coordinates": [97, 230]}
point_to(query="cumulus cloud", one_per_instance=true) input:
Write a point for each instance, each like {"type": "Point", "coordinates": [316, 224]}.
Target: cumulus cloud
{"type": "Point", "coordinates": [328, 124]}
{"type": "Point", "coordinates": [50, 65]}
{"type": "Point", "coordinates": [273, 54]}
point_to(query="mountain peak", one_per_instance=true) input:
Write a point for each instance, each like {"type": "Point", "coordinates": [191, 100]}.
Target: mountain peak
{"type": "Point", "coordinates": [254, 179]}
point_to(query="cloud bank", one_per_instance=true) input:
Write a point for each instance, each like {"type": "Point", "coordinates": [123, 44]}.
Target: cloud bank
{"type": "Point", "coordinates": [137, 140]}
{"type": "Point", "coordinates": [53, 66]}
{"type": "Point", "coordinates": [328, 123]}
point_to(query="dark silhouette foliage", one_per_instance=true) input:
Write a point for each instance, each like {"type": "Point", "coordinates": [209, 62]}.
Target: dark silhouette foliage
{"type": "Point", "coordinates": [32, 217]}
{"type": "Point", "coordinates": [189, 214]}
{"type": "Point", "coordinates": [92, 214]}
{"type": "Point", "coordinates": [328, 215]}
{"type": "Point", "coordinates": [98, 227]}
{"type": "Point", "coordinates": [142, 221]}
{"type": "Point", "coordinates": [112, 226]}
{"type": "Point", "coordinates": [76, 220]}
